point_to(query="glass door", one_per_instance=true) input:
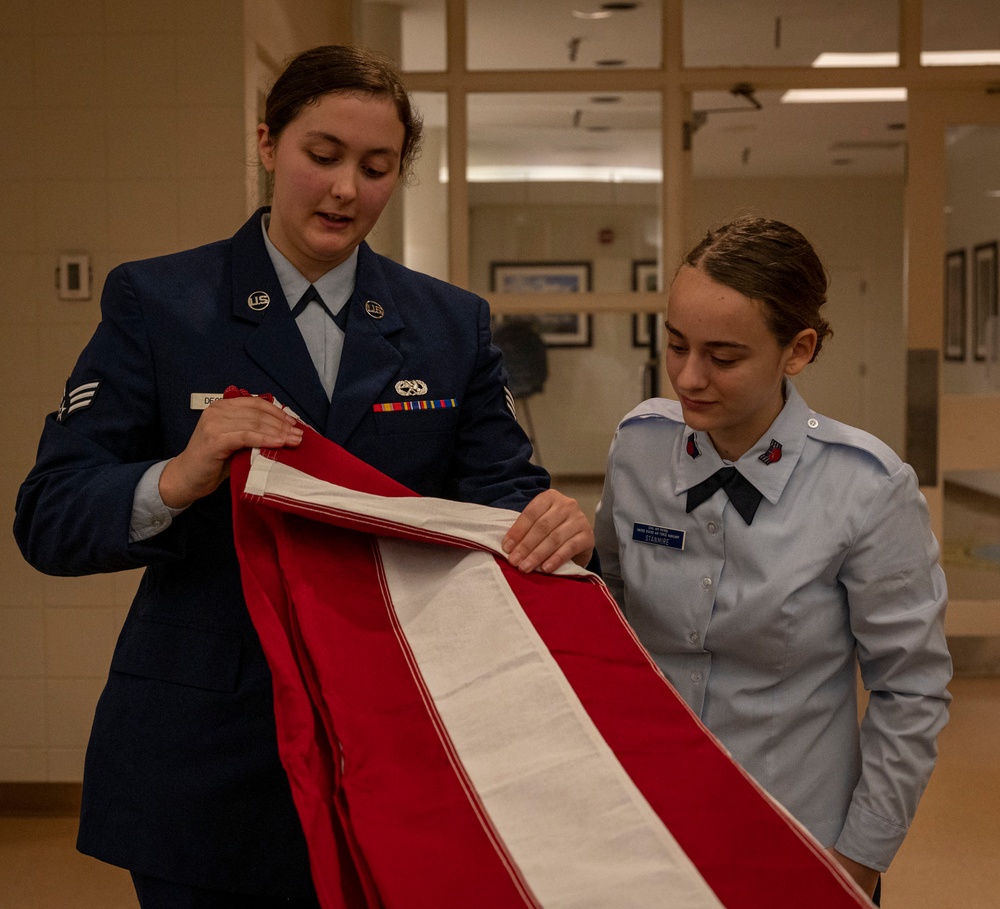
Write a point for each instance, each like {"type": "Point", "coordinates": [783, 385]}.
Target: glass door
{"type": "Point", "coordinates": [953, 233]}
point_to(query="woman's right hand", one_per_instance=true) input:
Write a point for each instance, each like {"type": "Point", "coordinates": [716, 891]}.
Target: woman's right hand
{"type": "Point", "coordinates": [225, 427]}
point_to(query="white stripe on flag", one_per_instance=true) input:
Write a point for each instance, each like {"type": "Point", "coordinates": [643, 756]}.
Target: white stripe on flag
{"type": "Point", "coordinates": [440, 520]}
{"type": "Point", "coordinates": [573, 821]}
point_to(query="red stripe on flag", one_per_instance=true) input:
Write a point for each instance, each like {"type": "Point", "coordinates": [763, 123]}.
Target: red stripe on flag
{"type": "Point", "coordinates": [752, 855]}
{"type": "Point", "coordinates": [420, 833]}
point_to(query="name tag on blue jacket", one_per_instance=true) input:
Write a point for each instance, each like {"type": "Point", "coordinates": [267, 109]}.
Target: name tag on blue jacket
{"type": "Point", "coordinates": [659, 536]}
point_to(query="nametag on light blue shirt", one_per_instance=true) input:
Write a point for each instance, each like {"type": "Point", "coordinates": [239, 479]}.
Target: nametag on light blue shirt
{"type": "Point", "coordinates": [659, 536]}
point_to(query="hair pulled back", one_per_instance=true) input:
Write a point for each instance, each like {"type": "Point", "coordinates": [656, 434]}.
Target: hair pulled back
{"type": "Point", "coordinates": [773, 263]}
{"type": "Point", "coordinates": [342, 68]}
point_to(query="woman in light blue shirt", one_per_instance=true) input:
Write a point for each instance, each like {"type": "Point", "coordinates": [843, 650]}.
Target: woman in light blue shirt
{"type": "Point", "coordinates": [763, 552]}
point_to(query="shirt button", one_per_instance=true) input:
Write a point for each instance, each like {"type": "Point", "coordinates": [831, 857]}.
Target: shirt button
{"type": "Point", "coordinates": [693, 637]}
{"type": "Point", "coordinates": [696, 676]}
{"type": "Point", "coordinates": [712, 527]}
{"type": "Point", "coordinates": [706, 582]}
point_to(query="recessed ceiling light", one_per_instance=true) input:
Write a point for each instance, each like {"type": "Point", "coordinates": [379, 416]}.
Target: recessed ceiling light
{"type": "Point", "coordinates": [553, 174]}
{"type": "Point", "coordinates": [600, 14]}
{"type": "Point", "coordinates": [960, 58]}
{"type": "Point", "coordinates": [927, 58]}
{"type": "Point", "coordinates": [834, 95]}
{"type": "Point", "coordinates": [849, 60]}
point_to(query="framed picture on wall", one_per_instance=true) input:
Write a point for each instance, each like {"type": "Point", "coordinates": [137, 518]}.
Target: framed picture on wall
{"type": "Point", "coordinates": [954, 305]}
{"type": "Point", "coordinates": [984, 299]}
{"type": "Point", "coordinates": [558, 329]}
{"type": "Point", "coordinates": [645, 277]}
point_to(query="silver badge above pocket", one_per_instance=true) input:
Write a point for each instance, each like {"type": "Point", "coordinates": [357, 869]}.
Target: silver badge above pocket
{"type": "Point", "coordinates": [409, 388]}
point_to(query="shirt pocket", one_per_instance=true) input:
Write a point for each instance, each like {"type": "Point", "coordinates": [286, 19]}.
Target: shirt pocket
{"type": "Point", "coordinates": [181, 654]}
{"type": "Point", "coordinates": [413, 421]}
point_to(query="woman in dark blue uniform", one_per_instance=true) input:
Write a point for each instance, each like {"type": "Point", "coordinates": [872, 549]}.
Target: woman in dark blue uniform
{"type": "Point", "coordinates": [182, 783]}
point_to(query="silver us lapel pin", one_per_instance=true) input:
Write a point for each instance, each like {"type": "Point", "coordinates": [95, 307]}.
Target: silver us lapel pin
{"type": "Point", "coordinates": [659, 536]}
{"type": "Point", "coordinates": [374, 309]}
{"type": "Point", "coordinates": [259, 300]}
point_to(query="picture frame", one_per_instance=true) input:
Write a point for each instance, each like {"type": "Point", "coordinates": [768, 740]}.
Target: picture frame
{"type": "Point", "coordinates": [645, 277]}
{"type": "Point", "coordinates": [558, 329]}
{"type": "Point", "coordinates": [984, 299]}
{"type": "Point", "coordinates": [954, 305]}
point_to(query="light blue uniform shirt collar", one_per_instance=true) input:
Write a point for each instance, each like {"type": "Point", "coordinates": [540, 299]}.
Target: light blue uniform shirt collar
{"type": "Point", "coordinates": [789, 430]}
{"type": "Point", "coordinates": [335, 287]}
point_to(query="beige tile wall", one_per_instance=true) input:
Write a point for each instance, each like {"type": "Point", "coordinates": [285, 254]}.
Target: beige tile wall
{"type": "Point", "coordinates": [125, 138]}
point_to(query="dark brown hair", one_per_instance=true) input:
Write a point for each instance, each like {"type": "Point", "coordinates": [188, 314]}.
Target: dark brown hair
{"type": "Point", "coordinates": [773, 263]}
{"type": "Point", "coordinates": [342, 68]}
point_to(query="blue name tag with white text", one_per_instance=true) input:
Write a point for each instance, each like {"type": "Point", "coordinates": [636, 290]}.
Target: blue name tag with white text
{"type": "Point", "coordinates": [659, 536]}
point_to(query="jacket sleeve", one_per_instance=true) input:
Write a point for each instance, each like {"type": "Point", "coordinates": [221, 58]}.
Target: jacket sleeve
{"type": "Point", "coordinates": [897, 597]}
{"type": "Point", "coordinates": [492, 455]}
{"type": "Point", "coordinates": [73, 509]}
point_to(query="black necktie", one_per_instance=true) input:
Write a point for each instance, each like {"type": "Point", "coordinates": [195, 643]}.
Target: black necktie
{"type": "Point", "coordinates": [312, 296]}
{"type": "Point", "coordinates": [741, 492]}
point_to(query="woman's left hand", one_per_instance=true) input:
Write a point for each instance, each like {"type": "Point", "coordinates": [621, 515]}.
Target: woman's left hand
{"type": "Point", "coordinates": [549, 532]}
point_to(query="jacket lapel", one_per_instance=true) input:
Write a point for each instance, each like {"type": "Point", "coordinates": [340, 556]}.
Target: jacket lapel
{"type": "Point", "coordinates": [370, 359]}
{"type": "Point", "coordinates": [276, 345]}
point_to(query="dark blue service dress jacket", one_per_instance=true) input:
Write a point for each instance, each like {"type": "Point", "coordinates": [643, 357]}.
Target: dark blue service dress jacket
{"type": "Point", "coordinates": [182, 778]}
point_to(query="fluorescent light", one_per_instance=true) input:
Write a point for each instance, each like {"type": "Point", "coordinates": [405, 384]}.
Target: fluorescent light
{"type": "Point", "coordinates": [602, 14]}
{"type": "Point", "coordinates": [552, 174]}
{"type": "Point", "coordinates": [960, 58]}
{"type": "Point", "coordinates": [889, 58]}
{"type": "Point", "coordinates": [836, 95]}
{"type": "Point", "coordinates": [927, 58]}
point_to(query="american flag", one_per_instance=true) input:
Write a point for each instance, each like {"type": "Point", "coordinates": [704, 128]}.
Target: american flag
{"type": "Point", "coordinates": [459, 735]}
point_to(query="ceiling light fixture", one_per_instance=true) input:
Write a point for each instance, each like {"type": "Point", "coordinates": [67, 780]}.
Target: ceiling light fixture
{"type": "Point", "coordinates": [600, 14]}
{"type": "Point", "coordinates": [960, 58]}
{"type": "Point", "coordinates": [826, 60]}
{"type": "Point", "coordinates": [555, 174]}
{"type": "Point", "coordinates": [927, 58]}
{"type": "Point", "coordinates": [841, 95]}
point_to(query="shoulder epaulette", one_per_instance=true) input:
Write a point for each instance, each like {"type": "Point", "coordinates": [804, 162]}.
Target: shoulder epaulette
{"type": "Point", "coordinates": [836, 433]}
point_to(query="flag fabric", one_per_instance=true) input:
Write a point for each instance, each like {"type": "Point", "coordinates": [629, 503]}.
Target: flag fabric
{"type": "Point", "coordinates": [458, 734]}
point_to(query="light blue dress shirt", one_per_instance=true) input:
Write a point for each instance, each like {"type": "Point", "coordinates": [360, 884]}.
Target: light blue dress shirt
{"type": "Point", "coordinates": [324, 340]}
{"type": "Point", "coordinates": [322, 335]}
{"type": "Point", "coordinates": [761, 628]}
